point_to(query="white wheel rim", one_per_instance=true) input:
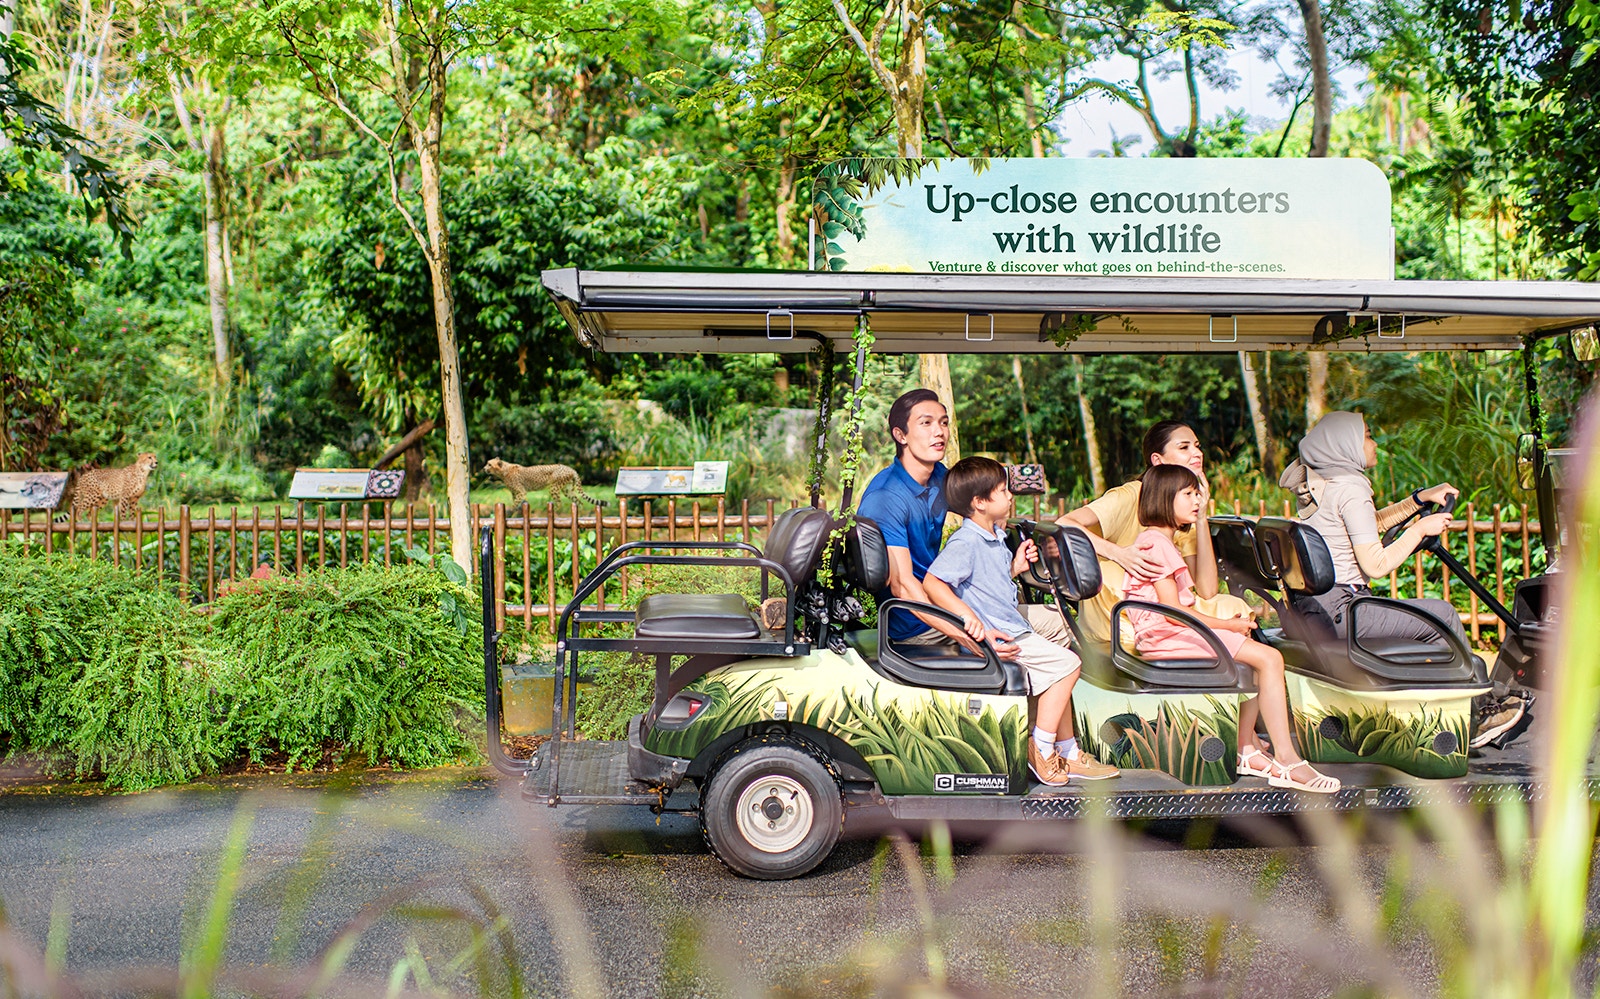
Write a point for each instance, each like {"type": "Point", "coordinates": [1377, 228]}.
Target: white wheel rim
{"type": "Point", "coordinates": [774, 813]}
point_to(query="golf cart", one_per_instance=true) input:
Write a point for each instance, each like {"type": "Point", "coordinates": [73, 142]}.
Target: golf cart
{"type": "Point", "coordinates": [772, 731]}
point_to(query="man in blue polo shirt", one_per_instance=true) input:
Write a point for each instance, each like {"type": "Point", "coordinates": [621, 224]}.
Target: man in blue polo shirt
{"type": "Point", "coordinates": [907, 502]}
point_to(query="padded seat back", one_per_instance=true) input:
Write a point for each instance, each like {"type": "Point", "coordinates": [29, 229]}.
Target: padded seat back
{"type": "Point", "coordinates": [866, 556]}
{"type": "Point", "coordinates": [1233, 539]}
{"type": "Point", "coordinates": [796, 541]}
{"type": "Point", "coordinates": [1067, 564]}
{"type": "Point", "coordinates": [1294, 554]}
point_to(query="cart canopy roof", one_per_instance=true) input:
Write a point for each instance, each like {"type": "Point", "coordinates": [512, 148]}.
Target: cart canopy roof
{"type": "Point", "coordinates": [714, 312]}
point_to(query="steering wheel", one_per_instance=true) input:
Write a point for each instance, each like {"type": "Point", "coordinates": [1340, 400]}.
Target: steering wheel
{"type": "Point", "coordinates": [1424, 509]}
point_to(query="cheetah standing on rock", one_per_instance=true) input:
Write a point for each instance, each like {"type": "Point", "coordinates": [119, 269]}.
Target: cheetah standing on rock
{"type": "Point", "coordinates": [93, 488]}
{"type": "Point", "coordinates": [561, 480]}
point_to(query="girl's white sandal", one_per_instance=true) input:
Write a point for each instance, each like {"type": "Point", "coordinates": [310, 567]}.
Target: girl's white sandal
{"type": "Point", "coordinates": [1317, 783]}
{"type": "Point", "coordinates": [1254, 763]}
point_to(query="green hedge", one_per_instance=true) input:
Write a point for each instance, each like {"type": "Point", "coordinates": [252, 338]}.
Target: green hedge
{"type": "Point", "coordinates": [102, 673]}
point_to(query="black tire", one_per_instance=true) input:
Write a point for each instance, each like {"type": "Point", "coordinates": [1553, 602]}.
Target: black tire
{"type": "Point", "coordinates": [794, 820]}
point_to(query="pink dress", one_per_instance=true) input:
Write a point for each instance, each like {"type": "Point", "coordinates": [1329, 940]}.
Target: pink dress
{"type": "Point", "coordinates": [1159, 637]}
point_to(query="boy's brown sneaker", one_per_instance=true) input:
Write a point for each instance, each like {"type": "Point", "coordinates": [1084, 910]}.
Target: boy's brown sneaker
{"type": "Point", "coordinates": [1086, 767]}
{"type": "Point", "coordinates": [1050, 769]}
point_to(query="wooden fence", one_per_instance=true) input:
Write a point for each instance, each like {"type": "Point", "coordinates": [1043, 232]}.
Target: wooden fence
{"type": "Point", "coordinates": [544, 552]}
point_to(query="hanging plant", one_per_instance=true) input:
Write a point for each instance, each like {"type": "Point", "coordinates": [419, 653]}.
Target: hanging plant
{"type": "Point", "coordinates": [850, 457]}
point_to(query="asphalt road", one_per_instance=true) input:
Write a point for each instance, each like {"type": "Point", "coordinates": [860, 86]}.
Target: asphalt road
{"type": "Point", "coordinates": [598, 901]}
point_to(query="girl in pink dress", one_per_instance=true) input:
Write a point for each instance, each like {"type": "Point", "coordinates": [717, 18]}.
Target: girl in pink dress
{"type": "Point", "coordinates": [1170, 499]}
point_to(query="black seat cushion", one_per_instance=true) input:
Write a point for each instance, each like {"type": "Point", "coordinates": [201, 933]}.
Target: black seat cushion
{"type": "Point", "coordinates": [944, 666]}
{"type": "Point", "coordinates": [695, 615]}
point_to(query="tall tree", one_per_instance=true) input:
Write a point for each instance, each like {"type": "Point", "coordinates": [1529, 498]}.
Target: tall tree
{"type": "Point", "coordinates": [385, 68]}
{"type": "Point", "coordinates": [1321, 129]}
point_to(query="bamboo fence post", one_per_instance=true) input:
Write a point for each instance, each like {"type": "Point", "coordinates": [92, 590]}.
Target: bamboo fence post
{"type": "Point", "coordinates": [299, 535]}
{"type": "Point", "coordinates": [277, 537]}
{"type": "Point", "coordinates": [233, 545]}
{"type": "Point", "coordinates": [672, 518]}
{"type": "Point", "coordinates": [1499, 570]}
{"type": "Point", "coordinates": [527, 567]}
{"type": "Point", "coordinates": [1472, 567]}
{"type": "Point", "coordinates": [1527, 550]}
{"type": "Point", "coordinates": [184, 529]}
{"type": "Point", "coordinates": [138, 539]}
{"type": "Point", "coordinates": [599, 553]}
{"type": "Point", "coordinates": [94, 536]}
{"type": "Point", "coordinates": [322, 535]}
{"type": "Point", "coordinates": [550, 564]}
{"type": "Point", "coordinates": [388, 531]}
{"type": "Point", "coordinates": [211, 554]}
{"type": "Point", "coordinates": [433, 528]}
{"type": "Point", "coordinates": [344, 535]}
{"type": "Point", "coordinates": [366, 532]}
{"type": "Point", "coordinates": [575, 542]}
{"type": "Point", "coordinates": [744, 520]}
{"type": "Point", "coordinates": [695, 513]}
{"type": "Point", "coordinates": [622, 539]}
{"type": "Point", "coordinates": [722, 519]}
{"type": "Point", "coordinates": [161, 543]}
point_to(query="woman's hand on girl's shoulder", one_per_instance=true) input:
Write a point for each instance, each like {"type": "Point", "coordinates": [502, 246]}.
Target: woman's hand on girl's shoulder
{"type": "Point", "coordinates": [1136, 561]}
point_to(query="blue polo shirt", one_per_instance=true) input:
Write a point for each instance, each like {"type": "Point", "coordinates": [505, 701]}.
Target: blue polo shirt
{"type": "Point", "coordinates": [977, 565]}
{"type": "Point", "coordinates": [911, 516]}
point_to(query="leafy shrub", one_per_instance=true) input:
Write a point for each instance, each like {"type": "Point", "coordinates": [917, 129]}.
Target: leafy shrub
{"type": "Point", "coordinates": [101, 671]}
{"type": "Point", "coordinates": [362, 658]}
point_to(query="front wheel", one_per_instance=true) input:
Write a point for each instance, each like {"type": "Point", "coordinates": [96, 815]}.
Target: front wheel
{"type": "Point", "coordinates": [772, 809]}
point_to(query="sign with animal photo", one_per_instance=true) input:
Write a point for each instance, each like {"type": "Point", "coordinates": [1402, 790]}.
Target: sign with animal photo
{"type": "Point", "coordinates": [350, 484]}
{"type": "Point", "coordinates": [32, 490]}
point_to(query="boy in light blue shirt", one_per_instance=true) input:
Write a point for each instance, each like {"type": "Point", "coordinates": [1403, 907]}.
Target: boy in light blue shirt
{"type": "Point", "coordinates": [975, 577]}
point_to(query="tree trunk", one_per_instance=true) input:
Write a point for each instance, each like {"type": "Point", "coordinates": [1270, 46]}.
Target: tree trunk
{"type": "Point", "coordinates": [214, 179]}
{"type": "Point", "coordinates": [8, 24]}
{"type": "Point", "coordinates": [1258, 416]}
{"type": "Point", "coordinates": [934, 372]}
{"type": "Point", "coordinates": [426, 142]}
{"type": "Point", "coordinates": [1316, 386]}
{"type": "Point", "coordinates": [785, 201]}
{"type": "Point", "coordinates": [1022, 396]}
{"type": "Point", "coordinates": [1321, 81]}
{"type": "Point", "coordinates": [1091, 437]}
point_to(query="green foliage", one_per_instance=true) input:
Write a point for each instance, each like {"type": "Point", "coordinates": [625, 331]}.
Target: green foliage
{"type": "Point", "coordinates": [102, 673]}
{"type": "Point", "coordinates": [99, 671]}
{"type": "Point", "coordinates": [357, 659]}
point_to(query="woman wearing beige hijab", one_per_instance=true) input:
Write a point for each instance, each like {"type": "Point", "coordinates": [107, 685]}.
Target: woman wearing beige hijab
{"type": "Point", "coordinates": [1330, 478]}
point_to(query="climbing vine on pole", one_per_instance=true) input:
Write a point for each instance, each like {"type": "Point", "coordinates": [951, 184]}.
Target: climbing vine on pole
{"type": "Point", "coordinates": [819, 434]}
{"type": "Point", "coordinates": [850, 457]}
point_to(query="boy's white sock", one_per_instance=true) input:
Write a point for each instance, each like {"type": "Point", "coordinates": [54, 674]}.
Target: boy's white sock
{"type": "Point", "coordinates": [1046, 741]}
{"type": "Point", "coordinates": [1067, 749]}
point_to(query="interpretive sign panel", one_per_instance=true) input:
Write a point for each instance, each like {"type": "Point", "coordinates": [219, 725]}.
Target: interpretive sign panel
{"type": "Point", "coordinates": [346, 483]}
{"type": "Point", "coordinates": [1283, 218]}
{"type": "Point", "coordinates": [31, 490]}
{"type": "Point", "coordinates": [700, 479]}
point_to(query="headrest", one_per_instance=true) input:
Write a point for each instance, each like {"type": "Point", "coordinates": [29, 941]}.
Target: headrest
{"type": "Point", "coordinates": [866, 557]}
{"type": "Point", "coordinates": [796, 539]}
{"type": "Point", "coordinates": [1295, 554]}
{"type": "Point", "coordinates": [1067, 560]}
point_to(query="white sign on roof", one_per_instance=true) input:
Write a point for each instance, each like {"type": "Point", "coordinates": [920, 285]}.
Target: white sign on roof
{"type": "Point", "coordinates": [1251, 218]}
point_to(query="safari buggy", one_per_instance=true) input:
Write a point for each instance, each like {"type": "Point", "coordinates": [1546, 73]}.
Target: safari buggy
{"type": "Point", "coordinates": [772, 730]}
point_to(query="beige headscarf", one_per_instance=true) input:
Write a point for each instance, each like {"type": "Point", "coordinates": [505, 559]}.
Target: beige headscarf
{"type": "Point", "coordinates": [1336, 448]}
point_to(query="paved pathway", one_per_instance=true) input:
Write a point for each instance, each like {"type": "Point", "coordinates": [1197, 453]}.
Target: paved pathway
{"type": "Point", "coordinates": [609, 902]}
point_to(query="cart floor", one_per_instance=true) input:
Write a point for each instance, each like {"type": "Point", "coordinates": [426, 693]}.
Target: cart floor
{"type": "Point", "coordinates": [597, 772]}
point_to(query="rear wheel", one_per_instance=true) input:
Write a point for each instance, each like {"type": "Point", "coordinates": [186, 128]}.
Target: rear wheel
{"type": "Point", "coordinates": [772, 808]}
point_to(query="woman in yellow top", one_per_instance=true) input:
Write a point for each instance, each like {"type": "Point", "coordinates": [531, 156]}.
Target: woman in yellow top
{"type": "Point", "coordinates": [1112, 523]}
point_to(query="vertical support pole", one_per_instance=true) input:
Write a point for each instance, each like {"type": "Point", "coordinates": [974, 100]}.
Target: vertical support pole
{"type": "Point", "coordinates": [211, 554]}
{"type": "Point", "coordinates": [499, 556]}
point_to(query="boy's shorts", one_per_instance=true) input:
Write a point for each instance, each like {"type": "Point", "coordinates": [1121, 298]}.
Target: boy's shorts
{"type": "Point", "coordinates": [1043, 654]}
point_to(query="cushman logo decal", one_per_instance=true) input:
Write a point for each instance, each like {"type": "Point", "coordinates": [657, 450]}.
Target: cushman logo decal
{"type": "Point", "coordinates": [980, 783]}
